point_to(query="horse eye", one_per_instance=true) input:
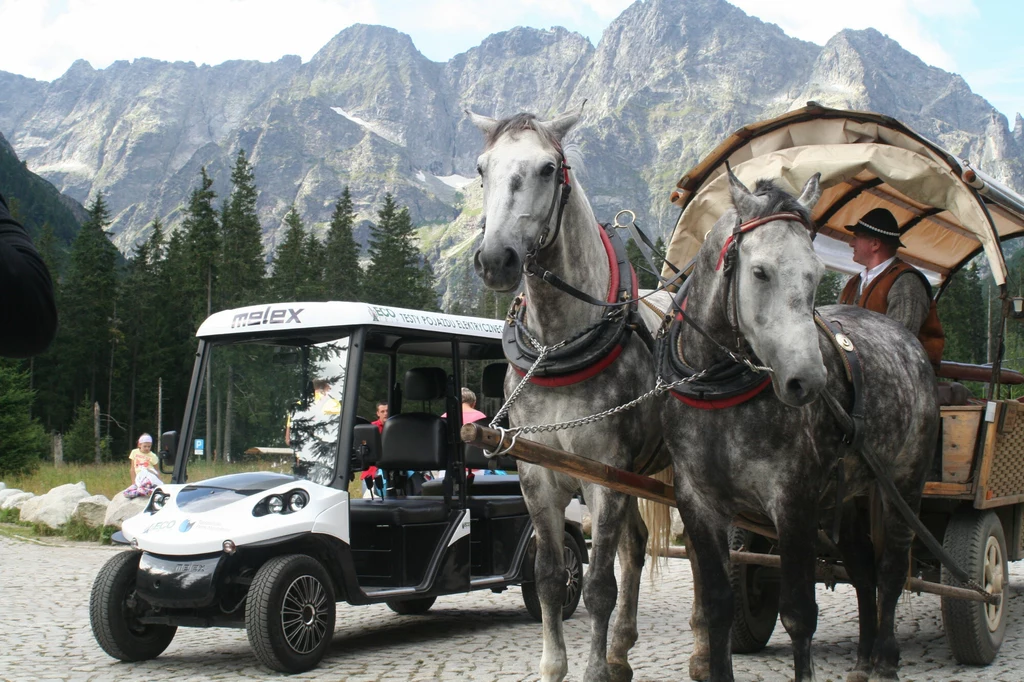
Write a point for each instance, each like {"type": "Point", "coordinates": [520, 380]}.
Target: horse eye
{"type": "Point", "coordinates": [760, 273]}
{"type": "Point", "coordinates": [548, 170]}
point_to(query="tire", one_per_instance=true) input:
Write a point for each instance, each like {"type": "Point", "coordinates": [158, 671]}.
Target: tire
{"type": "Point", "coordinates": [755, 597]}
{"type": "Point", "coordinates": [412, 607]}
{"type": "Point", "coordinates": [573, 580]}
{"type": "Point", "coordinates": [113, 612]}
{"type": "Point", "coordinates": [289, 613]}
{"type": "Point", "coordinates": [976, 542]}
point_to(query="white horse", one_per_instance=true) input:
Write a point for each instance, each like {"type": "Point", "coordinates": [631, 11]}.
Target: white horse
{"type": "Point", "coordinates": [532, 222]}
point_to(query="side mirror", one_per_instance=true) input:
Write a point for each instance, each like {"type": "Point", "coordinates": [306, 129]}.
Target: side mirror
{"type": "Point", "coordinates": [168, 453]}
{"type": "Point", "coordinates": [366, 444]}
{"type": "Point", "coordinates": [1017, 307]}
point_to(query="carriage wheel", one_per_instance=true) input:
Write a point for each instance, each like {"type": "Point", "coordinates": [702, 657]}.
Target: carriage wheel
{"type": "Point", "coordinates": [975, 630]}
{"type": "Point", "coordinates": [573, 580]}
{"type": "Point", "coordinates": [755, 595]}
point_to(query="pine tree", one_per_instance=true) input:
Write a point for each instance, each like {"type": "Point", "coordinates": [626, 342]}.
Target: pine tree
{"type": "Point", "coordinates": [242, 265]}
{"type": "Point", "coordinates": [398, 274]}
{"type": "Point", "coordinates": [829, 288]}
{"type": "Point", "coordinates": [962, 312]}
{"type": "Point", "coordinates": [23, 439]}
{"type": "Point", "coordinates": [88, 304]}
{"type": "Point", "coordinates": [294, 276]}
{"type": "Point", "coordinates": [342, 274]}
{"type": "Point", "coordinates": [202, 241]}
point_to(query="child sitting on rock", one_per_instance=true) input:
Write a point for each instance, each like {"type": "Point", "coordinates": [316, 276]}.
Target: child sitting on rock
{"type": "Point", "coordinates": [143, 462]}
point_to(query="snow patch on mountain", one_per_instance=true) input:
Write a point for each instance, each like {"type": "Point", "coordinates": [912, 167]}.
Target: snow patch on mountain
{"type": "Point", "coordinates": [372, 127]}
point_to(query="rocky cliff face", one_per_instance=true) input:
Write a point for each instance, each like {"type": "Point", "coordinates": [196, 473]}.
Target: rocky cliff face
{"type": "Point", "coordinates": [667, 81]}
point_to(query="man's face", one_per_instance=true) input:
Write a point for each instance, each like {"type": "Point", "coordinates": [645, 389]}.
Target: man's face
{"type": "Point", "coordinates": [382, 412]}
{"type": "Point", "coordinates": [864, 248]}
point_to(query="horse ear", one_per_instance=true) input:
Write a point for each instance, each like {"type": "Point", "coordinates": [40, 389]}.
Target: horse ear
{"type": "Point", "coordinates": [743, 199]}
{"type": "Point", "coordinates": [562, 124]}
{"type": "Point", "coordinates": [811, 192]}
{"type": "Point", "coordinates": [486, 124]}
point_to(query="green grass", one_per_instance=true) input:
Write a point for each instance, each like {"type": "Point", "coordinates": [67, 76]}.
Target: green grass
{"type": "Point", "coordinates": [110, 479]}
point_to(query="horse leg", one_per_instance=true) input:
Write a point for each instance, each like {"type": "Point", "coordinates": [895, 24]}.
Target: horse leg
{"type": "Point", "coordinates": [547, 504]}
{"type": "Point", "coordinates": [599, 587]}
{"type": "Point", "coordinates": [858, 560]}
{"type": "Point", "coordinates": [892, 575]}
{"type": "Point", "coordinates": [699, 659]}
{"type": "Point", "coordinates": [797, 528]}
{"type": "Point", "coordinates": [709, 544]}
{"type": "Point", "coordinates": [632, 552]}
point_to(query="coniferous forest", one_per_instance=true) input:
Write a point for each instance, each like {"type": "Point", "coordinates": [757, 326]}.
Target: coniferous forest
{"type": "Point", "coordinates": [128, 323]}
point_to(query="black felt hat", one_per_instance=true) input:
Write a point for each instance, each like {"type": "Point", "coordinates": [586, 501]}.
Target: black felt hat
{"type": "Point", "coordinates": [879, 223]}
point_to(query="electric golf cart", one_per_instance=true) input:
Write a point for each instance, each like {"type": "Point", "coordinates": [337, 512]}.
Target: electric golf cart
{"type": "Point", "coordinates": [277, 414]}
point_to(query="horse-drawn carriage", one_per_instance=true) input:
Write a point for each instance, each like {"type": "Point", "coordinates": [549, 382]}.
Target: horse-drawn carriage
{"type": "Point", "coordinates": [949, 212]}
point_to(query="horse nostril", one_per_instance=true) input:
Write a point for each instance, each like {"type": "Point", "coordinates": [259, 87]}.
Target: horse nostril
{"type": "Point", "coordinates": [511, 261]}
{"type": "Point", "coordinates": [795, 387]}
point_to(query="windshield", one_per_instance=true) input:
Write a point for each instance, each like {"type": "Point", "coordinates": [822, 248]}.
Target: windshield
{"type": "Point", "coordinates": [269, 407]}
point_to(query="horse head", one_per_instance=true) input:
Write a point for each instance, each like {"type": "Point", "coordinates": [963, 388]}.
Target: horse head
{"type": "Point", "coordinates": [522, 170]}
{"type": "Point", "coordinates": [776, 275]}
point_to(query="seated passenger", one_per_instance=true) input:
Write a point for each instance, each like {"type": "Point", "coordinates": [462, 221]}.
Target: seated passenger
{"type": "Point", "coordinates": [890, 286]}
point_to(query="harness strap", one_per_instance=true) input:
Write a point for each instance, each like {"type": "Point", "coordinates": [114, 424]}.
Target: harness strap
{"type": "Point", "coordinates": [853, 424]}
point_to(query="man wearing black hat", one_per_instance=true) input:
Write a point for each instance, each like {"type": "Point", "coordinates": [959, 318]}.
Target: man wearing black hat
{"type": "Point", "coordinates": [890, 286]}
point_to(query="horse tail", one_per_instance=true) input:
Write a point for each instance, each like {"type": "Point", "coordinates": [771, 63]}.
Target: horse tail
{"type": "Point", "coordinates": [658, 519]}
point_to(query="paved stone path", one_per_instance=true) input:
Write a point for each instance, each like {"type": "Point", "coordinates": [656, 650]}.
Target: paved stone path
{"type": "Point", "coordinates": [45, 634]}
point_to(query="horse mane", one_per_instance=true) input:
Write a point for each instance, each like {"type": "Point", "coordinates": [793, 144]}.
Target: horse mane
{"type": "Point", "coordinates": [519, 122]}
{"type": "Point", "coordinates": [774, 199]}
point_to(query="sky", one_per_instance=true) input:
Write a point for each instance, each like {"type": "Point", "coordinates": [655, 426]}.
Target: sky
{"type": "Point", "coordinates": [979, 39]}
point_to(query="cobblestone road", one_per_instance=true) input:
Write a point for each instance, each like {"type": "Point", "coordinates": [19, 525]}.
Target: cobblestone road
{"type": "Point", "coordinates": [45, 634]}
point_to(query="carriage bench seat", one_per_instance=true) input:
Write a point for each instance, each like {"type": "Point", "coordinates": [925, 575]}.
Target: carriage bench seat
{"type": "Point", "coordinates": [479, 486]}
{"type": "Point", "coordinates": [397, 511]}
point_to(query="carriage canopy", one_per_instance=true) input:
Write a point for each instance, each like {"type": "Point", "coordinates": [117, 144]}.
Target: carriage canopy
{"type": "Point", "coordinates": [947, 210]}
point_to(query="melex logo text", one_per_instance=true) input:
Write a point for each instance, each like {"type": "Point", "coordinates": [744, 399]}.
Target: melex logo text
{"type": "Point", "coordinates": [269, 315]}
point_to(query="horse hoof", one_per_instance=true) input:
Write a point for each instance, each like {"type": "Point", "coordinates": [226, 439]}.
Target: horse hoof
{"type": "Point", "coordinates": [700, 668]}
{"type": "Point", "coordinates": [620, 672]}
{"type": "Point", "coordinates": [856, 676]}
{"type": "Point", "coordinates": [883, 676]}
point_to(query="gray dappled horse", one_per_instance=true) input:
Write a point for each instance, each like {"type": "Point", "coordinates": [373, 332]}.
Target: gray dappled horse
{"type": "Point", "coordinates": [522, 169]}
{"type": "Point", "coordinates": [775, 454]}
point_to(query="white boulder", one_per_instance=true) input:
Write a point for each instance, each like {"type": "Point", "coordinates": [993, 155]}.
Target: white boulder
{"type": "Point", "coordinates": [8, 492]}
{"type": "Point", "coordinates": [122, 508]}
{"type": "Point", "coordinates": [16, 501]}
{"type": "Point", "coordinates": [91, 510]}
{"type": "Point", "coordinates": [2, 485]}
{"type": "Point", "coordinates": [54, 509]}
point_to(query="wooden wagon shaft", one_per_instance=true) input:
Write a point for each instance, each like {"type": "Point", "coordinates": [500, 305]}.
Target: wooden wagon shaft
{"type": "Point", "coordinates": [587, 469]}
{"type": "Point", "coordinates": [839, 573]}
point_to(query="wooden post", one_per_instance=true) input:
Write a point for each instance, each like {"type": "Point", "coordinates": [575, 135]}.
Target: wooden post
{"type": "Point", "coordinates": [159, 413]}
{"type": "Point", "coordinates": [96, 430]}
{"type": "Point", "coordinates": [58, 449]}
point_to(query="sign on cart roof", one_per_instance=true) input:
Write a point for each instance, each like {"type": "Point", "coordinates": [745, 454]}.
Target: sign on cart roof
{"type": "Point", "coordinates": [274, 318]}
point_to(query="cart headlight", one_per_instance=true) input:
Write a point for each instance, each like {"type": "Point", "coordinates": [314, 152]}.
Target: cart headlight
{"type": "Point", "coordinates": [158, 501]}
{"type": "Point", "coordinates": [275, 505]}
{"type": "Point", "coordinates": [297, 501]}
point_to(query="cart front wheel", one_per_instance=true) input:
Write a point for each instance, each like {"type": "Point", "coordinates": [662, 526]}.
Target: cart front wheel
{"type": "Point", "coordinates": [114, 611]}
{"type": "Point", "coordinates": [755, 595]}
{"type": "Point", "coordinates": [573, 580]}
{"type": "Point", "coordinates": [289, 613]}
{"type": "Point", "coordinates": [975, 630]}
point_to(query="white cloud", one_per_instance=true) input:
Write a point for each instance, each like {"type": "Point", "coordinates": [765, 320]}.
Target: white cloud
{"type": "Point", "coordinates": [41, 39]}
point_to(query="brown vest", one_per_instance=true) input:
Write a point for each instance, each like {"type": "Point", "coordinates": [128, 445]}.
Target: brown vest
{"type": "Point", "coordinates": [876, 298]}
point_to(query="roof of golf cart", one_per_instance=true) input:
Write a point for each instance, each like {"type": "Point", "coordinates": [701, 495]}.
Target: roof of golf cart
{"type": "Point", "coordinates": [948, 210]}
{"type": "Point", "coordinates": [316, 318]}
